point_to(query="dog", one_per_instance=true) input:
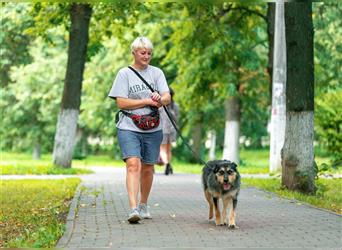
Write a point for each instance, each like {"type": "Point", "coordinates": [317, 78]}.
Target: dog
{"type": "Point", "coordinates": [221, 179]}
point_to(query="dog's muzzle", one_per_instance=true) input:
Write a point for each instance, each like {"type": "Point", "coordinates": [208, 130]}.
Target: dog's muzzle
{"type": "Point", "coordinates": [226, 185]}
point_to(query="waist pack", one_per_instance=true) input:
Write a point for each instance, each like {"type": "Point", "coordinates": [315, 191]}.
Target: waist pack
{"type": "Point", "coordinates": [144, 122]}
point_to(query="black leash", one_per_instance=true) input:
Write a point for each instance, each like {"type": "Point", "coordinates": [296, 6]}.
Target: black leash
{"type": "Point", "coordinates": [172, 120]}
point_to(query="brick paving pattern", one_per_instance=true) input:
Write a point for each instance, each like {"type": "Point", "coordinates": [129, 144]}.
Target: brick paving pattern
{"type": "Point", "coordinates": [97, 218]}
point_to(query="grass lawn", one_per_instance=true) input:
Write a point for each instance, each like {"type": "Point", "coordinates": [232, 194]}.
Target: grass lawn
{"type": "Point", "coordinates": [21, 163]}
{"type": "Point", "coordinates": [252, 162]}
{"type": "Point", "coordinates": [328, 195]}
{"type": "Point", "coordinates": [33, 212]}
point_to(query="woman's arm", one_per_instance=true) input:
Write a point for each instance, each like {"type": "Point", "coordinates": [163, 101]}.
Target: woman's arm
{"type": "Point", "coordinates": [165, 99]}
{"type": "Point", "coordinates": [126, 103]}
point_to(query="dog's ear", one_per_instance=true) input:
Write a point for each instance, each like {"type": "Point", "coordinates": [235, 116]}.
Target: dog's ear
{"type": "Point", "coordinates": [234, 166]}
{"type": "Point", "coordinates": [215, 166]}
{"type": "Point", "coordinates": [212, 165]}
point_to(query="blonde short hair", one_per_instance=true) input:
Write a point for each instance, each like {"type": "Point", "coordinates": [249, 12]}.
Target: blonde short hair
{"type": "Point", "coordinates": [141, 42]}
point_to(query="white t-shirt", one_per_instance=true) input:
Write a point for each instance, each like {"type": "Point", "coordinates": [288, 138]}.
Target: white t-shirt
{"type": "Point", "coordinates": [128, 85]}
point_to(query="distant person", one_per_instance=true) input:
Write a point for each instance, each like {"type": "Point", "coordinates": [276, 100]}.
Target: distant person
{"type": "Point", "coordinates": [139, 140]}
{"type": "Point", "coordinates": [169, 134]}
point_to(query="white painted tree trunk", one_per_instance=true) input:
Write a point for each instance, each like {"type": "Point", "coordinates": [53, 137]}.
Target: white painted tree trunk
{"type": "Point", "coordinates": [298, 153]}
{"type": "Point", "coordinates": [278, 115]}
{"type": "Point", "coordinates": [212, 149]}
{"type": "Point", "coordinates": [65, 137]}
{"type": "Point", "coordinates": [36, 151]}
{"type": "Point", "coordinates": [231, 141]}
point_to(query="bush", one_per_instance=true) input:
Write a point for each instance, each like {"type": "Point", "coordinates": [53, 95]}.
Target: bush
{"type": "Point", "coordinates": [328, 123]}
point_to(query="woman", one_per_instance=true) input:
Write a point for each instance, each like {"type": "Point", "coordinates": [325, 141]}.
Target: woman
{"type": "Point", "coordinates": [169, 134]}
{"type": "Point", "coordinates": [139, 147]}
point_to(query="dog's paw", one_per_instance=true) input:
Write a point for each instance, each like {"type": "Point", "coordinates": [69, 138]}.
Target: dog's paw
{"type": "Point", "coordinates": [218, 223]}
{"type": "Point", "coordinates": [232, 226]}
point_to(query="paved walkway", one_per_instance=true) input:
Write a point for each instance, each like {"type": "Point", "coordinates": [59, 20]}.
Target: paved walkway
{"type": "Point", "coordinates": [97, 218]}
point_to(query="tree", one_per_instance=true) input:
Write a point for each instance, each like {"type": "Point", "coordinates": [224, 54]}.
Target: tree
{"type": "Point", "coordinates": [298, 170]}
{"type": "Point", "coordinates": [277, 125]}
{"type": "Point", "coordinates": [67, 120]}
{"type": "Point", "coordinates": [30, 103]}
{"type": "Point", "coordinates": [206, 50]}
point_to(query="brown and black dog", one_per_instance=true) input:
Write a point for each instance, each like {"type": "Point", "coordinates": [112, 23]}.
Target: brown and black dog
{"type": "Point", "coordinates": [221, 179]}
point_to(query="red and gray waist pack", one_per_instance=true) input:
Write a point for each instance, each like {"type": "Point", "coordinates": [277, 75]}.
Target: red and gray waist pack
{"type": "Point", "coordinates": [144, 122]}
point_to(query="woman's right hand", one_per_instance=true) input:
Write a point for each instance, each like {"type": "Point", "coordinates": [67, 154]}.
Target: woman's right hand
{"type": "Point", "coordinates": [150, 102]}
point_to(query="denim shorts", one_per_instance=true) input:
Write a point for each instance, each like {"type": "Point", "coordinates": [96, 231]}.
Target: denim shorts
{"type": "Point", "coordinates": [145, 146]}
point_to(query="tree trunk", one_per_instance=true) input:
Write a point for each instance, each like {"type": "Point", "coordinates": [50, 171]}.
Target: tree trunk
{"type": "Point", "coordinates": [270, 35]}
{"type": "Point", "coordinates": [197, 139]}
{"type": "Point", "coordinates": [36, 151]}
{"type": "Point", "coordinates": [232, 130]}
{"type": "Point", "coordinates": [297, 154]}
{"type": "Point", "coordinates": [212, 149]}
{"type": "Point", "coordinates": [67, 120]}
{"type": "Point", "coordinates": [278, 113]}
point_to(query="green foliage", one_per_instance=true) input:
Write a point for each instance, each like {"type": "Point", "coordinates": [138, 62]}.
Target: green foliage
{"type": "Point", "coordinates": [209, 51]}
{"type": "Point", "coordinates": [328, 61]}
{"type": "Point", "coordinates": [328, 194]}
{"type": "Point", "coordinates": [30, 105]}
{"type": "Point", "coordinates": [13, 40]}
{"type": "Point", "coordinates": [47, 16]}
{"type": "Point", "coordinates": [37, 221]}
{"type": "Point", "coordinates": [216, 57]}
{"type": "Point", "coordinates": [328, 122]}
{"type": "Point", "coordinates": [328, 48]}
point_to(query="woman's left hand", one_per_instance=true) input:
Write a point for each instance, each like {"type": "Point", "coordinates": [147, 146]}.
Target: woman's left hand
{"type": "Point", "coordinates": [155, 97]}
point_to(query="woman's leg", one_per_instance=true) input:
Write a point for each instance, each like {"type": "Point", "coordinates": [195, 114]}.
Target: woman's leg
{"type": "Point", "coordinates": [133, 168]}
{"type": "Point", "coordinates": [169, 153]}
{"type": "Point", "coordinates": [169, 158]}
{"type": "Point", "coordinates": [146, 179]}
{"type": "Point", "coordinates": [164, 153]}
{"type": "Point", "coordinates": [150, 153]}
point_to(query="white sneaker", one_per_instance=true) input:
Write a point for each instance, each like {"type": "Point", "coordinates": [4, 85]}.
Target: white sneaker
{"type": "Point", "coordinates": [143, 211]}
{"type": "Point", "coordinates": [134, 216]}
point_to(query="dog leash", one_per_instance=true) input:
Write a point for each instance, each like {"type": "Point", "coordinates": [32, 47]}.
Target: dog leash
{"type": "Point", "coordinates": [171, 118]}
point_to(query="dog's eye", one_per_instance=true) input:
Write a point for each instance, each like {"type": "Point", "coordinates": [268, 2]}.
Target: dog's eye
{"type": "Point", "coordinates": [221, 172]}
{"type": "Point", "coordinates": [230, 171]}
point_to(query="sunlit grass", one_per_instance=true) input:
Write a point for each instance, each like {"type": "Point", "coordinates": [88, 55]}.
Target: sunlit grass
{"type": "Point", "coordinates": [328, 195]}
{"type": "Point", "coordinates": [23, 164]}
{"type": "Point", "coordinates": [33, 212]}
{"type": "Point", "coordinates": [98, 160]}
{"type": "Point", "coordinates": [252, 162]}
